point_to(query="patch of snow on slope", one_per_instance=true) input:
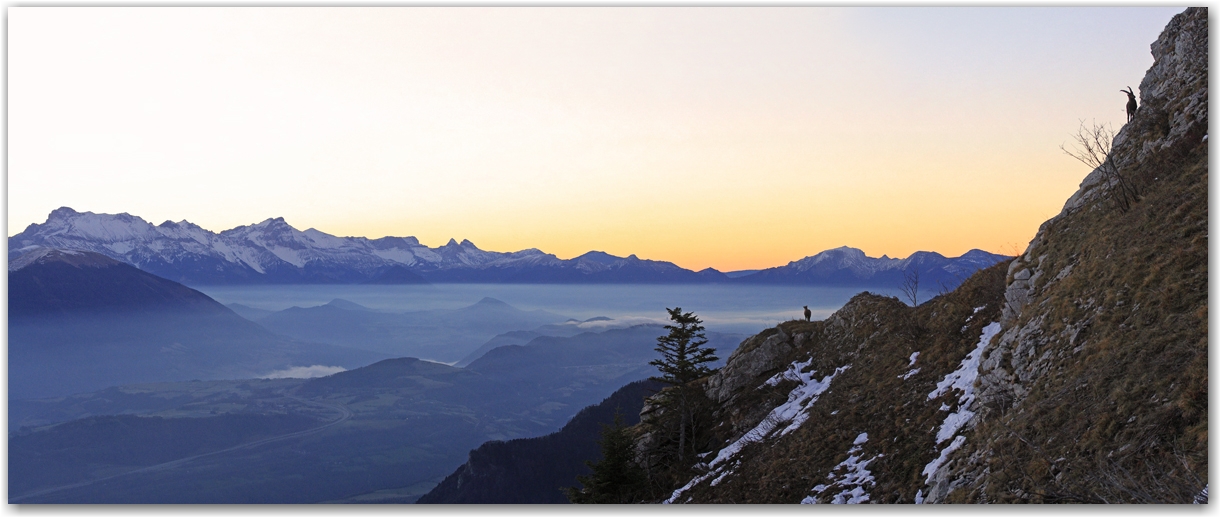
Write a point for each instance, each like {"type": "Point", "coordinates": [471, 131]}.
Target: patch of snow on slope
{"type": "Point", "coordinates": [962, 379]}
{"type": "Point", "coordinates": [913, 371]}
{"type": "Point", "coordinates": [930, 469]}
{"type": "Point", "coordinates": [104, 229]}
{"type": "Point", "coordinates": [793, 412]}
{"type": "Point", "coordinates": [325, 240]}
{"type": "Point", "coordinates": [398, 255]}
{"type": "Point", "coordinates": [968, 318]}
{"type": "Point", "coordinates": [243, 255]}
{"type": "Point", "coordinates": [854, 477]}
{"type": "Point", "coordinates": [288, 255]}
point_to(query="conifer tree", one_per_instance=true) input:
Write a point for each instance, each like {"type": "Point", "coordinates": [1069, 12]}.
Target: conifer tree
{"type": "Point", "coordinates": [616, 479]}
{"type": "Point", "coordinates": [683, 359]}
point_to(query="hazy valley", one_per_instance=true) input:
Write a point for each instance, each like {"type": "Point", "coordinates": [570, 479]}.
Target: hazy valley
{"type": "Point", "coordinates": [173, 365]}
{"type": "Point", "coordinates": [265, 364]}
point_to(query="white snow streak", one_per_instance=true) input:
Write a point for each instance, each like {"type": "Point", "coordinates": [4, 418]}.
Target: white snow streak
{"type": "Point", "coordinates": [855, 476]}
{"type": "Point", "coordinates": [962, 379]}
{"type": "Point", "coordinates": [794, 412]}
{"type": "Point", "coordinates": [913, 371]}
{"type": "Point", "coordinates": [930, 469]}
{"type": "Point", "coordinates": [398, 255]}
{"type": "Point", "coordinates": [288, 255]}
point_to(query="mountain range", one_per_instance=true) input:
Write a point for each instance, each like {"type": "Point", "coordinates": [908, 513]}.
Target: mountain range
{"type": "Point", "coordinates": [274, 252]}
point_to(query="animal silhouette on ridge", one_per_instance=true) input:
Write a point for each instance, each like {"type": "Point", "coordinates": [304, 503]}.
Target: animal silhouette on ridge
{"type": "Point", "coordinates": [807, 313]}
{"type": "Point", "coordinates": [1131, 105]}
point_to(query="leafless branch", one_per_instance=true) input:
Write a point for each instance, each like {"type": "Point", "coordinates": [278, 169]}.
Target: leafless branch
{"type": "Point", "coordinates": [910, 286]}
{"type": "Point", "coordinates": [1093, 148]}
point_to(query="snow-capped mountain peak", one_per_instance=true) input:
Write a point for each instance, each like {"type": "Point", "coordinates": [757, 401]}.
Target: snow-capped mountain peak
{"type": "Point", "coordinates": [273, 251]}
{"type": "Point", "coordinates": [851, 266]}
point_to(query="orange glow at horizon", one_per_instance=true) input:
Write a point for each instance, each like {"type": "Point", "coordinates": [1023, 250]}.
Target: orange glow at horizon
{"type": "Point", "coordinates": [732, 138]}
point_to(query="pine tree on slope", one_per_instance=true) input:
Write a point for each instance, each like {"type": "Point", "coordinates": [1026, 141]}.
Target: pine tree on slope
{"type": "Point", "coordinates": [683, 359]}
{"type": "Point", "coordinates": [616, 479]}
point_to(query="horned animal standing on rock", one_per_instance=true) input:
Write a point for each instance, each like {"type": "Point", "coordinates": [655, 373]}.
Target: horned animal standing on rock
{"type": "Point", "coordinates": [1131, 105]}
{"type": "Point", "coordinates": [807, 313]}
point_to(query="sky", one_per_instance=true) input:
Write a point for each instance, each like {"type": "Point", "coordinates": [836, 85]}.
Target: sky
{"type": "Point", "coordinates": [726, 137]}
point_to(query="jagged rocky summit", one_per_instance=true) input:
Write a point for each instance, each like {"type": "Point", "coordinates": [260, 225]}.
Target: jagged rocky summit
{"type": "Point", "coordinates": [274, 252]}
{"type": "Point", "coordinates": [1077, 372]}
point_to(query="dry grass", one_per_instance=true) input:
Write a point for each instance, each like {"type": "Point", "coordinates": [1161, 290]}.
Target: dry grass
{"type": "Point", "coordinates": [1121, 415]}
{"type": "Point", "coordinates": [876, 335]}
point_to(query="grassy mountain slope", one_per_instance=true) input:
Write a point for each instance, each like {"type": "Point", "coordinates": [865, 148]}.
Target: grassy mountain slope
{"type": "Point", "coordinates": [771, 444]}
{"type": "Point", "coordinates": [1075, 373]}
{"type": "Point", "coordinates": [1097, 389]}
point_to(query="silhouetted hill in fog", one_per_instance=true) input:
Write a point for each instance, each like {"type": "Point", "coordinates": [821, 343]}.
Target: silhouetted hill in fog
{"type": "Point", "coordinates": [79, 321]}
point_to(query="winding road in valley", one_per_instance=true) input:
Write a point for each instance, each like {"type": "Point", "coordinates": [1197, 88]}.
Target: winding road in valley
{"type": "Point", "coordinates": [345, 415]}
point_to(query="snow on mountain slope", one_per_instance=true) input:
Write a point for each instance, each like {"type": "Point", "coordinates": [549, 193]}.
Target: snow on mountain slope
{"type": "Point", "coordinates": [273, 251]}
{"type": "Point", "coordinates": [850, 266]}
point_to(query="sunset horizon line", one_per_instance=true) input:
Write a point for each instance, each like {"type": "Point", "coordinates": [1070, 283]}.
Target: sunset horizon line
{"type": "Point", "coordinates": [560, 256]}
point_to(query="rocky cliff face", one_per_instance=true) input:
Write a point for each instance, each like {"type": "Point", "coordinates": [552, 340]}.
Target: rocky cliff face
{"type": "Point", "coordinates": [1100, 371]}
{"type": "Point", "coordinates": [1075, 373]}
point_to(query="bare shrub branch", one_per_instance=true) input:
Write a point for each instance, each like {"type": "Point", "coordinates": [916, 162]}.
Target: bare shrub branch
{"type": "Point", "coordinates": [1092, 147]}
{"type": "Point", "coordinates": [910, 286]}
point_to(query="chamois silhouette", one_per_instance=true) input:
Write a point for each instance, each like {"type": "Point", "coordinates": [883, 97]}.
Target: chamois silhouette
{"type": "Point", "coordinates": [807, 313]}
{"type": "Point", "coordinates": [1131, 105]}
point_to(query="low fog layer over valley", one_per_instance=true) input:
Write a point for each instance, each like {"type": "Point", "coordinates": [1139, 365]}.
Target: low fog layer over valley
{"type": "Point", "coordinates": [129, 387]}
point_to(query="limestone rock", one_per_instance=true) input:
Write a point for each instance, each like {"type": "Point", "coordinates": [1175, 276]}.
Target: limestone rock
{"type": "Point", "coordinates": [759, 353]}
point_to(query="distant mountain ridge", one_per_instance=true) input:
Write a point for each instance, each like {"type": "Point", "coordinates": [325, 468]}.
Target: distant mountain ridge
{"type": "Point", "coordinates": [274, 252]}
{"type": "Point", "coordinates": [53, 282]}
{"type": "Point", "coordinates": [79, 321]}
{"type": "Point", "coordinates": [850, 266]}
{"type": "Point", "coordinates": [444, 335]}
